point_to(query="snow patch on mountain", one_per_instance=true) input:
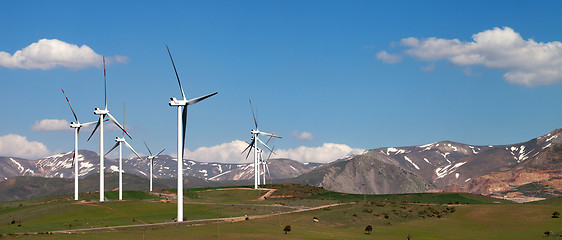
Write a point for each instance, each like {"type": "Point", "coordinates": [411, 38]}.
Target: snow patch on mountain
{"type": "Point", "coordinates": [20, 167]}
{"type": "Point", "coordinates": [408, 159]}
{"type": "Point", "coordinates": [441, 172]}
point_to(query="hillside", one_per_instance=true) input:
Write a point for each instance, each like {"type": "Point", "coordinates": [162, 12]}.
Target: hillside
{"type": "Point", "coordinates": [25, 187]}
{"type": "Point", "coordinates": [529, 169]}
{"type": "Point", "coordinates": [61, 166]}
{"type": "Point", "coordinates": [522, 170]}
{"type": "Point", "coordinates": [364, 174]}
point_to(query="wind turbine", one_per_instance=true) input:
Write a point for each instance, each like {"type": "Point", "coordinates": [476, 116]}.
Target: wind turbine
{"type": "Point", "coordinates": [118, 142]}
{"type": "Point", "coordinates": [266, 166]}
{"type": "Point", "coordinates": [182, 121]}
{"type": "Point", "coordinates": [151, 162]}
{"type": "Point", "coordinates": [254, 144]}
{"type": "Point", "coordinates": [76, 125]}
{"type": "Point", "coordinates": [102, 114]}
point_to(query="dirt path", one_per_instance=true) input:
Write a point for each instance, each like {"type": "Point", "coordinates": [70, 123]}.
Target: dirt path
{"type": "Point", "coordinates": [188, 223]}
{"type": "Point", "coordinates": [267, 194]}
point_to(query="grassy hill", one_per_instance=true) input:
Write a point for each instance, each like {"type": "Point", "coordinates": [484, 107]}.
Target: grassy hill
{"type": "Point", "coordinates": [25, 187]}
{"type": "Point", "coordinates": [393, 216]}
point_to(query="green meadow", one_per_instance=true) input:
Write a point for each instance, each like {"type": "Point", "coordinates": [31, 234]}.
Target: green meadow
{"type": "Point", "coordinates": [422, 216]}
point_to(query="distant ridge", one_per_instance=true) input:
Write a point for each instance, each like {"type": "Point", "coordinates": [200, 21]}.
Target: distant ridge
{"type": "Point", "coordinates": [528, 169]}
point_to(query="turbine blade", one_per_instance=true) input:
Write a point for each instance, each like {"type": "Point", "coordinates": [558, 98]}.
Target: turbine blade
{"type": "Point", "coordinates": [160, 152]}
{"type": "Point", "coordinates": [268, 134]}
{"type": "Point", "coordinates": [123, 135]}
{"type": "Point", "coordinates": [270, 153]}
{"type": "Point", "coordinates": [184, 123]}
{"type": "Point", "coordinates": [73, 158]}
{"type": "Point", "coordinates": [199, 99]}
{"type": "Point", "coordinates": [175, 70]}
{"type": "Point", "coordinates": [129, 146]}
{"type": "Point", "coordinates": [95, 128]}
{"type": "Point", "coordinates": [104, 84]}
{"type": "Point", "coordinates": [70, 105]}
{"type": "Point", "coordinates": [118, 125]}
{"type": "Point", "coordinates": [268, 139]}
{"type": "Point", "coordinates": [255, 121]}
{"type": "Point", "coordinates": [268, 173]}
{"type": "Point", "coordinates": [88, 124]}
{"type": "Point", "coordinates": [249, 151]}
{"type": "Point", "coordinates": [148, 149]}
{"type": "Point", "coordinates": [264, 145]}
{"type": "Point", "coordinates": [114, 146]}
{"type": "Point", "coordinates": [249, 146]}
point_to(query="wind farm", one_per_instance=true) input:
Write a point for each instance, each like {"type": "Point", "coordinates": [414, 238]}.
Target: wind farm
{"type": "Point", "coordinates": [368, 120]}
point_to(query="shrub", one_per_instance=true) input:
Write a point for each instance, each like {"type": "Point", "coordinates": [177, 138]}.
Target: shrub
{"type": "Point", "coordinates": [555, 215]}
{"type": "Point", "coordinates": [369, 229]}
{"type": "Point", "coordinates": [287, 229]}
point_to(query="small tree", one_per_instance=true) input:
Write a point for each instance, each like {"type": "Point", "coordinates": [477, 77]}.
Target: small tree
{"type": "Point", "coordinates": [555, 215]}
{"type": "Point", "coordinates": [369, 229]}
{"type": "Point", "coordinates": [287, 229]}
{"type": "Point", "coordinates": [409, 236]}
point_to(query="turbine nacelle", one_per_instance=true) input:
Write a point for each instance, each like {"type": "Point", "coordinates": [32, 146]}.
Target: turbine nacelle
{"type": "Point", "coordinates": [98, 111]}
{"type": "Point", "coordinates": [175, 102]}
{"type": "Point", "coordinates": [75, 125]}
{"type": "Point", "coordinates": [118, 139]}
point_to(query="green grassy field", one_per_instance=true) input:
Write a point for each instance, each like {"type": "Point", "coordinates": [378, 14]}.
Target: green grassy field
{"type": "Point", "coordinates": [423, 216]}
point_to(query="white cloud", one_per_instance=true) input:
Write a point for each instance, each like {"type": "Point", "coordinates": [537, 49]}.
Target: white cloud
{"type": "Point", "coordinates": [328, 152]}
{"type": "Point", "coordinates": [50, 53]}
{"type": "Point", "coordinates": [389, 58]}
{"type": "Point", "coordinates": [527, 62]}
{"type": "Point", "coordinates": [303, 136]}
{"type": "Point", "coordinates": [51, 125]}
{"type": "Point", "coordinates": [224, 153]}
{"type": "Point", "coordinates": [231, 153]}
{"type": "Point", "coordinates": [13, 145]}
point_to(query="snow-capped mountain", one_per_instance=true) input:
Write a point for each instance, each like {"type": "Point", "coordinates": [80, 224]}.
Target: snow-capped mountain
{"type": "Point", "coordinates": [446, 166]}
{"type": "Point", "coordinates": [446, 163]}
{"type": "Point", "coordinates": [61, 166]}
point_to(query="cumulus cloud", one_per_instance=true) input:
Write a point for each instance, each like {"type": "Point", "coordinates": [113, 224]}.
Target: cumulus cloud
{"type": "Point", "coordinates": [51, 125]}
{"type": "Point", "coordinates": [231, 153]}
{"type": "Point", "coordinates": [224, 153]}
{"type": "Point", "coordinates": [303, 136]}
{"type": "Point", "coordinates": [389, 58]}
{"type": "Point", "coordinates": [49, 53]}
{"type": "Point", "coordinates": [526, 62]}
{"type": "Point", "coordinates": [13, 145]}
{"type": "Point", "coordinates": [328, 152]}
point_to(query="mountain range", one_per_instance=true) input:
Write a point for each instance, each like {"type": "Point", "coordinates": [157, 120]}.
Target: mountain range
{"type": "Point", "coordinates": [522, 170]}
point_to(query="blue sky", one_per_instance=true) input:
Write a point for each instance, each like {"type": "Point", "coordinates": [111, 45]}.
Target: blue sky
{"type": "Point", "coordinates": [331, 77]}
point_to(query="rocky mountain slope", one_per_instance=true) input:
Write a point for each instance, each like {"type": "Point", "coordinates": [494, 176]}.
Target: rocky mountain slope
{"type": "Point", "coordinates": [525, 169]}
{"type": "Point", "coordinates": [364, 174]}
{"type": "Point", "coordinates": [447, 166]}
{"type": "Point", "coordinates": [61, 166]}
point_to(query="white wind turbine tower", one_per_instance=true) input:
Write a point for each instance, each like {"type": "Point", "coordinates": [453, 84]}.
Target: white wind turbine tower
{"type": "Point", "coordinates": [151, 162]}
{"type": "Point", "coordinates": [76, 125]}
{"type": "Point", "coordinates": [118, 142]}
{"type": "Point", "coordinates": [254, 144]}
{"type": "Point", "coordinates": [103, 113]}
{"type": "Point", "coordinates": [182, 121]}
{"type": "Point", "coordinates": [265, 163]}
